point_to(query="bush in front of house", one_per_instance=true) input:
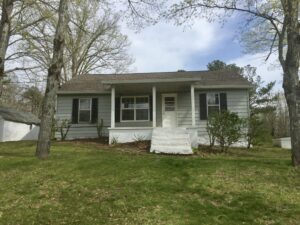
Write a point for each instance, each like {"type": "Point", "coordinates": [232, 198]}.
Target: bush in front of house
{"type": "Point", "coordinates": [63, 127]}
{"type": "Point", "coordinates": [224, 128]}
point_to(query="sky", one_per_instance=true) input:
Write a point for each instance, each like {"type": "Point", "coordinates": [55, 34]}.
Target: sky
{"type": "Point", "coordinates": [166, 47]}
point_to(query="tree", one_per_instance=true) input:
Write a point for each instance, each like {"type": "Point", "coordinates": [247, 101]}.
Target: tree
{"type": "Point", "coordinates": [54, 73]}
{"type": "Point", "coordinates": [261, 96]}
{"type": "Point", "coordinates": [93, 43]}
{"type": "Point", "coordinates": [275, 25]}
{"type": "Point", "coordinates": [16, 16]}
{"type": "Point", "coordinates": [220, 65]}
{"type": "Point", "coordinates": [282, 126]}
{"type": "Point", "coordinates": [34, 98]}
{"type": "Point", "coordinates": [5, 29]}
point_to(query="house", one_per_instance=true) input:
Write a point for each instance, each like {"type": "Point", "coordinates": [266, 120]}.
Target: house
{"type": "Point", "coordinates": [18, 125]}
{"type": "Point", "coordinates": [168, 108]}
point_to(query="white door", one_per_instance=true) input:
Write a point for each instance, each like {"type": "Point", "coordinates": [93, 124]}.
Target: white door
{"type": "Point", "coordinates": [169, 105]}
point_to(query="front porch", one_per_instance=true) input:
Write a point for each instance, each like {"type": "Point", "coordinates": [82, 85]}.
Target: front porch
{"type": "Point", "coordinates": [138, 109]}
{"type": "Point", "coordinates": [153, 105]}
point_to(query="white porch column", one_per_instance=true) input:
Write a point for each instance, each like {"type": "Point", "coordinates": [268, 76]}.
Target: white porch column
{"type": "Point", "coordinates": [112, 117]}
{"type": "Point", "coordinates": [154, 106]}
{"type": "Point", "coordinates": [193, 105]}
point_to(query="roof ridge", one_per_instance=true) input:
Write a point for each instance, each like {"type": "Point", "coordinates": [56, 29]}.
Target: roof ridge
{"type": "Point", "coordinates": [162, 72]}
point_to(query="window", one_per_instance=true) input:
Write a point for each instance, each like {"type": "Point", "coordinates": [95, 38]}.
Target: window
{"type": "Point", "coordinates": [135, 108]}
{"type": "Point", "coordinates": [128, 108]}
{"type": "Point", "coordinates": [84, 110]}
{"type": "Point", "coordinates": [169, 104]}
{"type": "Point", "coordinates": [213, 103]}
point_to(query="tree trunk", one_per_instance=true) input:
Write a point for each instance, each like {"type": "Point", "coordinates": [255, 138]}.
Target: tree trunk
{"type": "Point", "coordinates": [54, 72]}
{"type": "Point", "coordinates": [291, 79]}
{"type": "Point", "coordinates": [5, 25]}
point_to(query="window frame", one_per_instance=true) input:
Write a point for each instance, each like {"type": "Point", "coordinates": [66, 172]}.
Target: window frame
{"type": "Point", "coordinates": [90, 109]}
{"type": "Point", "coordinates": [134, 108]}
{"type": "Point", "coordinates": [207, 104]}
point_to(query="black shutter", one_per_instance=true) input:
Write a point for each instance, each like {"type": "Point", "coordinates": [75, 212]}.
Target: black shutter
{"type": "Point", "coordinates": [203, 107]}
{"type": "Point", "coordinates": [117, 109]}
{"type": "Point", "coordinates": [223, 101]}
{"type": "Point", "coordinates": [94, 110]}
{"type": "Point", "coordinates": [75, 110]}
{"type": "Point", "coordinates": [151, 107]}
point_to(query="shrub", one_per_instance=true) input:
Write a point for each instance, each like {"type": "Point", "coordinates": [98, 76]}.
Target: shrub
{"type": "Point", "coordinates": [100, 125]}
{"type": "Point", "coordinates": [114, 141]}
{"type": "Point", "coordinates": [225, 128]}
{"type": "Point", "coordinates": [63, 127]}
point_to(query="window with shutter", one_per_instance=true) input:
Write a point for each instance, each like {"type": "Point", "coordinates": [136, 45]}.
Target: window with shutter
{"type": "Point", "coordinates": [203, 106]}
{"type": "Point", "coordinates": [211, 103]}
{"type": "Point", "coordinates": [75, 110]}
{"type": "Point", "coordinates": [85, 105]}
{"type": "Point", "coordinates": [94, 110]}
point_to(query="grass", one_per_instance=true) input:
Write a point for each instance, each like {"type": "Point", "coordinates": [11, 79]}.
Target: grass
{"type": "Point", "coordinates": [84, 183]}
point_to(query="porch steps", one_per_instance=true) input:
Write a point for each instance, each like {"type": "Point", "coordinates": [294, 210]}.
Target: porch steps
{"type": "Point", "coordinates": [171, 141]}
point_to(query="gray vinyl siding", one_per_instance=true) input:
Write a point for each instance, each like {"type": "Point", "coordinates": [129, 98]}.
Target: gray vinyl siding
{"type": "Point", "coordinates": [158, 110]}
{"type": "Point", "coordinates": [184, 113]}
{"type": "Point", "coordinates": [64, 111]}
{"type": "Point", "coordinates": [237, 101]}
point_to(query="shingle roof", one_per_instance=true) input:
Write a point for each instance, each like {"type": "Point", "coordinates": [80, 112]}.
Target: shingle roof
{"type": "Point", "coordinates": [96, 82]}
{"type": "Point", "coordinates": [18, 116]}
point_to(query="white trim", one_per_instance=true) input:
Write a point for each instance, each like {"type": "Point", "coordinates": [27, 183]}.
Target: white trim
{"type": "Point", "coordinates": [163, 108]}
{"type": "Point", "coordinates": [223, 86]}
{"type": "Point", "coordinates": [90, 109]}
{"type": "Point", "coordinates": [134, 108]}
{"type": "Point", "coordinates": [193, 105]}
{"type": "Point", "coordinates": [131, 128]}
{"type": "Point", "coordinates": [154, 106]}
{"type": "Point", "coordinates": [112, 115]}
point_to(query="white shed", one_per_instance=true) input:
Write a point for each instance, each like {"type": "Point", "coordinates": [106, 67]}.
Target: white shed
{"type": "Point", "coordinates": [18, 125]}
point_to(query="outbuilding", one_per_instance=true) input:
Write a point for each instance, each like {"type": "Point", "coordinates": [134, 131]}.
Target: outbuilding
{"type": "Point", "coordinates": [18, 125]}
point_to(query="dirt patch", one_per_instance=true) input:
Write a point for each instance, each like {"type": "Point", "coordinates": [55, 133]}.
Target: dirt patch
{"type": "Point", "coordinates": [138, 146]}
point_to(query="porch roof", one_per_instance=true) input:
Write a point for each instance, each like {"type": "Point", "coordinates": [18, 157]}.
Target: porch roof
{"type": "Point", "coordinates": [100, 83]}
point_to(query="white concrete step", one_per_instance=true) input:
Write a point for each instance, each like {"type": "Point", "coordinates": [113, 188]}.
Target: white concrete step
{"type": "Point", "coordinates": [181, 150]}
{"type": "Point", "coordinates": [171, 141]}
{"type": "Point", "coordinates": [170, 136]}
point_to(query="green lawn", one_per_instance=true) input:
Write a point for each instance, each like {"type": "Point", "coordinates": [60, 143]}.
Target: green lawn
{"type": "Point", "coordinates": [84, 183]}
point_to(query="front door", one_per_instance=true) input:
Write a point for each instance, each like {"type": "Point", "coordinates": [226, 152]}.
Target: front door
{"type": "Point", "coordinates": [169, 105]}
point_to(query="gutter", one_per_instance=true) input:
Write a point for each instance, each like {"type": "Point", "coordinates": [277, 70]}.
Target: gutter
{"type": "Point", "coordinates": [222, 86]}
{"type": "Point", "coordinates": [81, 92]}
{"type": "Point", "coordinates": [141, 81]}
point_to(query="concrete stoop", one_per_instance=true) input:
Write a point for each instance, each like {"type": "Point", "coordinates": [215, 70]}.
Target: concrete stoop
{"type": "Point", "coordinates": [171, 141]}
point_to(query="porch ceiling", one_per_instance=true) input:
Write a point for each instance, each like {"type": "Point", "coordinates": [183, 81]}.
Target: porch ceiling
{"type": "Point", "coordinates": [125, 89]}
